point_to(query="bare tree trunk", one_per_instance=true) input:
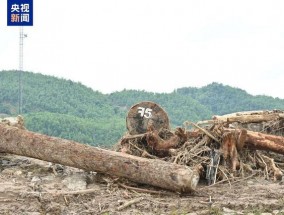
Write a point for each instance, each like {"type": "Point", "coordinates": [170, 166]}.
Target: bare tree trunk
{"type": "Point", "coordinates": [258, 140]}
{"type": "Point", "coordinates": [265, 142]}
{"type": "Point", "coordinates": [153, 172]}
{"type": "Point", "coordinates": [247, 118]}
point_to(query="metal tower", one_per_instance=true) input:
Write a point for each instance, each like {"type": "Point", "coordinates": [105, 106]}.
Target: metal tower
{"type": "Point", "coordinates": [21, 66]}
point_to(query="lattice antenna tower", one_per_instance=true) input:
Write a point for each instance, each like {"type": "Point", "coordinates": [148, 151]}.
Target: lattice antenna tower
{"type": "Point", "coordinates": [21, 67]}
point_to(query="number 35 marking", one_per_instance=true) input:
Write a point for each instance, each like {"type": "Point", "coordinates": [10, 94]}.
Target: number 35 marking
{"type": "Point", "coordinates": [145, 112]}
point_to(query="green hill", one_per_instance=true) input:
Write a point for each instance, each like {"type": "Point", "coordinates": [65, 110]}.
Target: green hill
{"type": "Point", "coordinates": [62, 108]}
{"type": "Point", "coordinates": [66, 109]}
{"type": "Point", "coordinates": [220, 99]}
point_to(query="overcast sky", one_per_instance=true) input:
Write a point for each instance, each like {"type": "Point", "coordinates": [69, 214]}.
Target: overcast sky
{"type": "Point", "coordinates": [155, 45]}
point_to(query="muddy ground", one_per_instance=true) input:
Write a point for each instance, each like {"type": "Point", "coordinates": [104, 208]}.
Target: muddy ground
{"type": "Point", "coordinates": [33, 187]}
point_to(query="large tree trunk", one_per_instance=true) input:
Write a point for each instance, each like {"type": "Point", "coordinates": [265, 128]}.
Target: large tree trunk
{"type": "Point", "coordinates": [265, 142]}
{"type": "Point", "coordinates": [153, 172]}
{"type": "Point", "coordinates": [249, 118]}
{"type": "Point", "coordinates": [257, 140]}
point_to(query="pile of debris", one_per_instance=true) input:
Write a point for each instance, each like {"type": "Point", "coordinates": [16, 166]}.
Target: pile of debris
{"type": "Point", "coordinates": [226, 148]}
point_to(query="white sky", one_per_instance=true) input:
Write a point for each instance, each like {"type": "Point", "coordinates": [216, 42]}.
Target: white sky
{"type": "Point", "coordinates": [155, 45]}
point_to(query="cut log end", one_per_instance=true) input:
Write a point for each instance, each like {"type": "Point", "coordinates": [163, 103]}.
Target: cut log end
{"type": "Point", "coordinates": [186, 180]}
{"type": "Point", "coordinates": [145, 115]}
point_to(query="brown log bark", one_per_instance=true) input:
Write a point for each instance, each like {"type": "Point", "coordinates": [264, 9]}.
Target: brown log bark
{"type": "Point", "coordinates": [153, 172]}
{"type": "Point", "coordinates": [261, 141]}
{"type": "Point", "coordinates": [229, 149]}
{"type": "Point", "coordinates": [241, 139]}
{"type": "Point", "coordinates": [265, 142]}
{"type": "Point", "coordinates": [250, 118]}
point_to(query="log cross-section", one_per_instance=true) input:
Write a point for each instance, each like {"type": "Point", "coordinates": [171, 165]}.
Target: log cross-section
{"type": "Point", "coordinates": [153, 172]}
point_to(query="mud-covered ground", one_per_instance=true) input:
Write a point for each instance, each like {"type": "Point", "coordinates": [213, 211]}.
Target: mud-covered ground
{"type": "Point", "coordinates": [33, 187]}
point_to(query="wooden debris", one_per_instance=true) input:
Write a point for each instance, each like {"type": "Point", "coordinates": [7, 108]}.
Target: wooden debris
{"type": "Point", "coordinates": [260, 141]}
{"type": "Point", "coordinates": [241, 139]}
{"type": "Point", "coordinates": [236, 136]}
{"type": "Point", "coordinates": [141, 190]}
{"type": "Point", "coordinates": [205, 131]}
{"type": "Point", "coordinates": [276, 172]}
{"type": "Point", "coordinates": [146, 171]}
{"type": "Point", "coordinates": [157, 143]}
{"type": "Point", "coordinates": [227, 148]}
{"type": "Point", "coordinates": [251, 117]}
{"type": "Point", "coordinates": [129, 203]}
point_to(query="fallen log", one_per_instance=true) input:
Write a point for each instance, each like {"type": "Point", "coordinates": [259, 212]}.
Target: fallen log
{"type": "Point", "coordinates": [146, 171]}
{"type": "Point", "coordinates": [257, 140]}
{"type": "Point", "coordinates": [250, 118]}
{"type": "Point", "coordinates": [267, 142]}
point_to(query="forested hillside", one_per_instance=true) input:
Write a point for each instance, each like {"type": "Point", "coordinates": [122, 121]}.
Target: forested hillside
{"type": "Point", "coordinates": [66, 109]}
{"type": "Point", "coordinates": [220, 99]}
{"type": "Point", "coordinates": [62, 108]}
